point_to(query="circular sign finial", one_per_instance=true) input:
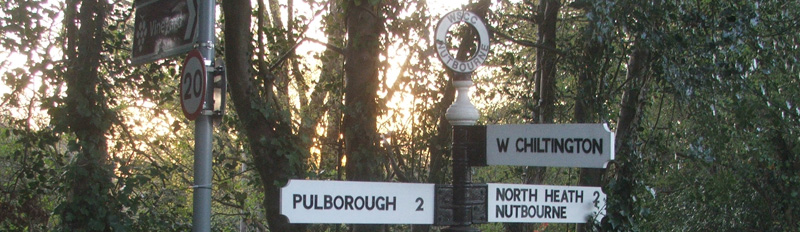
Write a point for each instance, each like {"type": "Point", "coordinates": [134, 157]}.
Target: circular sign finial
{"type": "Point", "coordinates": [442, 48]}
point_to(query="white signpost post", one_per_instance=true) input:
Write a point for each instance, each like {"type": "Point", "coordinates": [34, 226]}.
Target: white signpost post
{"type": "Point", "coordinates": [550, 145]}
{"type": "Point", "coordinates": [544, 203]}
{"type": "Point", "coordinates": [353, 202]}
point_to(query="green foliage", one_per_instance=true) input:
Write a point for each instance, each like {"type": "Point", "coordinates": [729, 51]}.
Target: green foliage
{"type": "Point", "coordinates": [29, 160]}
{"type": "Point", "coordinates": [716, 144]}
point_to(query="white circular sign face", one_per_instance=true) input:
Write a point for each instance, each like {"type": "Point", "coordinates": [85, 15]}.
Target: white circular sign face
{"type": "Point", "coordinates": [441, 47]}
{"type": "Point", "coordinates": [193, 85]}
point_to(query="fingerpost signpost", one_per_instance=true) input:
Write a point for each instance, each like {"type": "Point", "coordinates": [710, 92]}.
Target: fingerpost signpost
{"type": "Point", "coordinates": [564, 145]}
{"type": "Point", "coordinates": [464, 203]}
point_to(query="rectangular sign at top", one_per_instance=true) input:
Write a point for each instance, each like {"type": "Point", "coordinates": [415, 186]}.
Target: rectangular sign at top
{"type": "Point", "coordinates": [164, 28]}
{"type": "Point", "coordinates": [550, 145]}
{"type": "Point", "coordinates": [354, 202]}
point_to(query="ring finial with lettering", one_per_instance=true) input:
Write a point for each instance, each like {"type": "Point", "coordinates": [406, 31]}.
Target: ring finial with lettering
{"type": "Point", "coordinates": [442, 49]}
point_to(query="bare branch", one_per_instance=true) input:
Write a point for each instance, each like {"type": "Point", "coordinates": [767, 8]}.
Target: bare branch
{"type": "Point", "coordinates": [525, 43]}
{"type": "Point", "coordinates": [328, 45]}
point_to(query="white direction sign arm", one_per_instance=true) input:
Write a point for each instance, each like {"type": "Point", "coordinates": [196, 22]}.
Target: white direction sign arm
{"type": "Point", "coordinates": [352, 202]}
{"type": "Point", "coordinates": [544, 203]}
{"type": "Point", "coordinates": [550, 145]}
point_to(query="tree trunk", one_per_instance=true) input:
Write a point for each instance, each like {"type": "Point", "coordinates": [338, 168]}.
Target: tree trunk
{"type": "Point", "coordinates": [545, 80]}
{"type": "Point", "coordinates": [364, 27]}
{"type": "Point", "coordinates": [620, 204]}
{"type": "Point", "coordinates": [586, 103]}
{"type": "Point", "coordinates": [330, 75]}
{"type": "Point", "coordinates": [89, 205]}
{"type": "Point", "coordinates": [269, 134]}
{"type": "Point", "coordinates": [546, 60]}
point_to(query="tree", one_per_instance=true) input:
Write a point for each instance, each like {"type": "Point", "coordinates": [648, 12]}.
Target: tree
{"type": "Point", "coordinates": [364, 27]}
{"type": "Point", "coordinates": [27, 154]}
{"type": "Point", "coordinates": [724, 73]}
{"type": "Point", "coordinates": [88, 117]}
{"type": "Point", "coordinates": [592, 63]}
{"type": "Point", "coordinates": [620, 212]}
{"type": "Point", "coordinates": [272, 146]}
{"type": "Point", "coordinates": [364, 22]}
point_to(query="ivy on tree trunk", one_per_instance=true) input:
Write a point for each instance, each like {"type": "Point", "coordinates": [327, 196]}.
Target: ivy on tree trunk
{"type": "Point", "coordinates": [89, 205]}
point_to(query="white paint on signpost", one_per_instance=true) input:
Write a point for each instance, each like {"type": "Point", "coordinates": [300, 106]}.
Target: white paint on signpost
{"type": "Point", "coordinates": [353, 202]}
{"type": "Point", "coordinates": [193, 85]}
{"type": "Point", "coordinates": [544, 203]}
{"type": "Point", "coordinates": [550, 145]}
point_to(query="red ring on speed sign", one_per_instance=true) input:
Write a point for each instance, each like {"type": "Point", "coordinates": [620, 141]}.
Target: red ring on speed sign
{"type": "Point", "coordinates": [193, 85]}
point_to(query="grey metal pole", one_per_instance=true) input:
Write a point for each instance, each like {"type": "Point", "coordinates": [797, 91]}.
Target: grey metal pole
{"type": "Point", "coordinates": [201, 216]}
{"type": "Point", "coordinates": [201, 211]}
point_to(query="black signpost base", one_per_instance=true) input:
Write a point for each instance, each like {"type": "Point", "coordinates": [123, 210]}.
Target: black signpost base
{"type": "Point", "coordinates": [465, 194]}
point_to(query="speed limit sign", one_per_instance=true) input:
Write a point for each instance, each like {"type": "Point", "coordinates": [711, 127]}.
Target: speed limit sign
{"type": "Point", "coordinates": [193, 85]}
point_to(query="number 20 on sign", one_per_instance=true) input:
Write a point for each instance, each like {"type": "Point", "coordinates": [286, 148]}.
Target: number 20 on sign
{"type": "Point", "coordinates": [193, 85]}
